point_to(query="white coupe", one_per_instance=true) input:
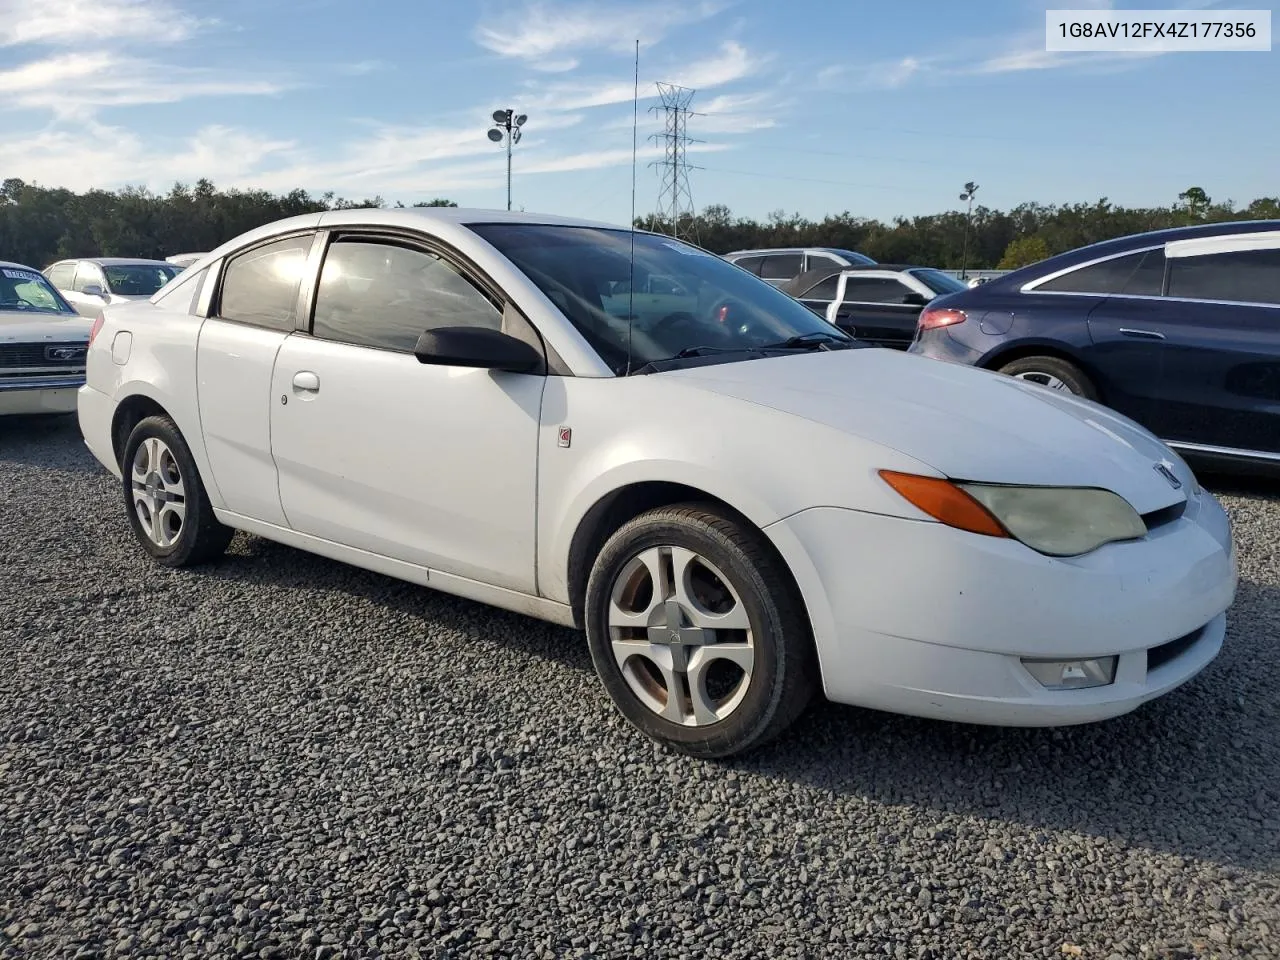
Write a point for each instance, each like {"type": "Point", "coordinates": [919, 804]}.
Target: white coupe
{"type": "Point", "coordinates": [739, 504]}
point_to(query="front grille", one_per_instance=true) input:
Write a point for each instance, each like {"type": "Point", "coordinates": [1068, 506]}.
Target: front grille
{"type": "Point", "coordinates": [1158, 518]}
{"type": "Point", "coordinates": [1167, 652]}
{"type": "Point", "coordinates": [17, 355]}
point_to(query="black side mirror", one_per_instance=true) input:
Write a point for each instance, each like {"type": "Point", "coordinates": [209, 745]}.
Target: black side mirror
{"type": "Point", "coordinates": [915, 299]}
{"type": "Point", "coordinates": [476, 347]}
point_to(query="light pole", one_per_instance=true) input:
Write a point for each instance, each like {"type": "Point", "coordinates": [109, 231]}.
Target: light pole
{"type": "Point", "coordinates": [508, 128]}
{"type": "Point", "coordinates": [970, 189]}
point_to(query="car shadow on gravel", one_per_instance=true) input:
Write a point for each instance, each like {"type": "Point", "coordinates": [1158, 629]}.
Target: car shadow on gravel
{"type": "Point", "coordinates": [1195, 773]}
{"type": "Point", "coordinates": [45, 442]}
{"type": "Point", "coordinates": [266, 562]}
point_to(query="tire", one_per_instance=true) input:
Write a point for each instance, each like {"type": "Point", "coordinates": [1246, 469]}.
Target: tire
{"type": "Point", "coordinates": [159, 476]}
{"type": "Point", "coordinates": [1050, 372]}
{"type": "Point", "coordinates": [728, 571]}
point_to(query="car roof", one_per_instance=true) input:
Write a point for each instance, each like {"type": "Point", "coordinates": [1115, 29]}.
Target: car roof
{"type": "Point", "coordinates": [1120, 245]}
{"type": "Point", "coordinates": [119, 261]}
{"type": "Point", "coordinates": [17, 266]}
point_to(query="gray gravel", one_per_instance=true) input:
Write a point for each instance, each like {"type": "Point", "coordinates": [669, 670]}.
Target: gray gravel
{"type": "Point", "coordinates": [281, 756]}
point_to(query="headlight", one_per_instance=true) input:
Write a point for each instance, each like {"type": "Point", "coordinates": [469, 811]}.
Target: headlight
{"type": "Point", "coordinates": [1060, 521]}
{"type": "Point", "coordinates": [1057, 521]}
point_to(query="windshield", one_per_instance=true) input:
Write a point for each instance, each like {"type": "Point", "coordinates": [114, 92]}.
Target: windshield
{"type": "Point", "coordinates": [683, 301]}
{"type": "Point", "coordinates": [28, 290]}
{"type": "Point", "coordinates": [138, 279]}
{"type": "Point", "coordinates": [939, 282]}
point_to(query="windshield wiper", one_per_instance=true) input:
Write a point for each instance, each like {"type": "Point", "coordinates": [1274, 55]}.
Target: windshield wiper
{"type": "Point", "coordinates": [818, 340]}
{"type": "Point", "coordinates": [690, 352]}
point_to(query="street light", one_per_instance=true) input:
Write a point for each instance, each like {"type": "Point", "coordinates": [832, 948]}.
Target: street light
{"type": "Point", "coordinates": [508, 128]}
{"type": "Point", "coordinates": [970, 189]}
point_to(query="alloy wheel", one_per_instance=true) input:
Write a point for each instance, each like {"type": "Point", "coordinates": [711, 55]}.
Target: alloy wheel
{"type": "Point", "coordinates": [681, 636]}
{"type": "Point", "coordinates": [1047, 380]}
{"type": "Point", "coordinates": [159, 495]}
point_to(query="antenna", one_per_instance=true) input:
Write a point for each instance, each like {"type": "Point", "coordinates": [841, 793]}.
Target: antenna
{"type": "Point", "coordinates": [631, 283]}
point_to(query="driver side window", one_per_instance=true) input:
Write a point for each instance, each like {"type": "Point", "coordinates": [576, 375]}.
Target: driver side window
{"type": "Point", "coordinates": [382, 294]}
{"type": "Point", "coordinates": [86, 274]}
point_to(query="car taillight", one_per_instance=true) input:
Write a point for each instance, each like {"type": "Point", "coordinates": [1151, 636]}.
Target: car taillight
{"type": "Point", "coordinates": [93, 331]}
{"type": "Point", "coordinates": [940, 317]}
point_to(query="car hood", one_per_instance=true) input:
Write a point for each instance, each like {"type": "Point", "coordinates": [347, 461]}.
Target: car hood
{"type": "Point", "coordinates": [23, 326]}
{"type": "Point", "coordinates": [967, 423]}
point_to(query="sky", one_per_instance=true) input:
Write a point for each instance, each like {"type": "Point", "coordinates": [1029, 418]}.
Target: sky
{"type": "Point", "coordinates": [807, 106]}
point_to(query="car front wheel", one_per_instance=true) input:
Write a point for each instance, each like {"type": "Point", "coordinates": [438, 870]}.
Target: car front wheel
{"type": "Point", "coordinates": [698, 632]}
{"type": "Point", "coordinates": [168, 507]}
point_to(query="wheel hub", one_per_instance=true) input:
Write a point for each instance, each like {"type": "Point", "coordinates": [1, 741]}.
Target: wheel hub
{"type": "Point", "coordinates": [681, 636]}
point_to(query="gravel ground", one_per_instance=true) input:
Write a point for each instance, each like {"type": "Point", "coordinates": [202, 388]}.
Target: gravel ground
{"type": "Point", "coordinates": [281, 756]}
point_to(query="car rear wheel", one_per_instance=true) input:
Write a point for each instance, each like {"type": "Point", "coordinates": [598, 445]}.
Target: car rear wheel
{"type": "Point", "coordinates": [1053, 373]}
{"type": "Point", "coordinates": [168, 507]}
{"type": "Point", "coordinates": [697, 631]}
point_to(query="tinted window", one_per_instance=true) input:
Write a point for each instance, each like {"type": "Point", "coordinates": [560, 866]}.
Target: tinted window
{"type": "Point", "coordinates": [1137, 274]}
{"type": "Point", "coordinates": [875, 290]}
{"type": "Point", "coordinates": [86, 273]}
{"type": "Point", "coordinates": [1247, 276]}
{"type": "Point", "coordinates": [818, 263]}
{"type": "Point", "coordinates": [62, 275]}
{"type": "Point", "coordinates": [782, 266]}
{"type": "Point", "coordinates": [824, 290]}
{"type": "Point", "coordinates": [939, 282]}
{"type": "Point", "coordinates": [750, 263]}
{"type": "Point", "coordinates": [261, 286]}
{"type": "Point", "coordinates": [138, 279]}
{"type": "Point", "coordinates": [376, 294]}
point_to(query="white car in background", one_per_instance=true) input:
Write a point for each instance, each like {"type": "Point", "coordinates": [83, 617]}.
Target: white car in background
{"type": "Point", "coordinates": [92, 283]}
{"type": "Point", "coordinates": [183, 260]}
{"type": "Point", "coordinates": [739, 504]}
{"type": "Point", "coordinates": [42, 345]}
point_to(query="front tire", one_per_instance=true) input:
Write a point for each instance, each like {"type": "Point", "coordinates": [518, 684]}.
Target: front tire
{"type": "Point", "coordinates": [1053, 373]}
{"type": "Point", "coordinates": [168, 507]}
{"type": "Point", "coordinates": [698, 632]}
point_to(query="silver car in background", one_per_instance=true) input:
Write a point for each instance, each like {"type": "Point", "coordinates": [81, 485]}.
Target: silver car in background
{"type": "Point", "coordinates": [92, 283]}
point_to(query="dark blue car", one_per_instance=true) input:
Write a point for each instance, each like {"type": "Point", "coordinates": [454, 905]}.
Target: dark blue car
{"type": "Point", "coordinates": [1177, 329]}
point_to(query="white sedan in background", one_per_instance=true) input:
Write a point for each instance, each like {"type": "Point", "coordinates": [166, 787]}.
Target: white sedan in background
{"type": "Point", "coordinates": [739, 505]}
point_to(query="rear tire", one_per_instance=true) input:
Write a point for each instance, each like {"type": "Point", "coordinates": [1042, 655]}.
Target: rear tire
{"type": "Point", "coordinates": [689, 599]}
{"type": "Point", "coordinates": [165, 498]}
{"type": "Point", "coordinates": [1053, 373]}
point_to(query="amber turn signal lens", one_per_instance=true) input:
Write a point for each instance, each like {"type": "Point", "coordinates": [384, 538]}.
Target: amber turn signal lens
{"type": "Point", "coordinates": [945, 502]}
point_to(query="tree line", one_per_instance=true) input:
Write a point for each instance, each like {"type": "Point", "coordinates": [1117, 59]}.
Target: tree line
{"type": "Point", "coordinates": [41, 224]}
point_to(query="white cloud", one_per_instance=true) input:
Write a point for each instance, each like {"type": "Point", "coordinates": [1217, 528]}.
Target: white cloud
{"type": "Point", "coordinates": [92, 22]}
{"type": "Point", "coordinates": [732, 63]}
{"type": "Point", "coordinates": [547, 36]}
{"type": "Point", "coordinates": [73, 84]}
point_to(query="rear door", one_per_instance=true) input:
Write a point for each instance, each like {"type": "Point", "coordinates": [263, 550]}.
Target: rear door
{"type": "Point", "coordinates": [1188, 341]}
{"type": "Point", "coordinates": [252, 314]}
{"type": "Point", "coordinates": [879, 309]}
{"type": "Point", "coordinates": [1222, 343]}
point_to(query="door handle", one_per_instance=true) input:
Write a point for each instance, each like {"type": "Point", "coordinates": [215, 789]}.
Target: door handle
{"type": "Point", "coordinates": [1142, 334]}
{"type": "Point", "coordinates": [305, 381]}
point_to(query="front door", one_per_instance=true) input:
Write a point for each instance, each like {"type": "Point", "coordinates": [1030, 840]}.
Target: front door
{"type": "Point", "coordinates": [879, 310]}
{"type": "Point", "coordinates": [432, 465]}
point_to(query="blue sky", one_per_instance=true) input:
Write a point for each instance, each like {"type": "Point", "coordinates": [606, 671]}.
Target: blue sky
{"type": "Point", "coordinates": [811, 106]}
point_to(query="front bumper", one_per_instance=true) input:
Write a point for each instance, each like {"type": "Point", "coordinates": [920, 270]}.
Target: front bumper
{"type": "Point", "coordinates": [919, 618]}
{"type": "Point", "coordinates": [33, 395]}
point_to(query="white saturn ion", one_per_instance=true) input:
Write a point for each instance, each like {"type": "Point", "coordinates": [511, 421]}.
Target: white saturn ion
{"type": "Point", "coordinates": [737, 502]}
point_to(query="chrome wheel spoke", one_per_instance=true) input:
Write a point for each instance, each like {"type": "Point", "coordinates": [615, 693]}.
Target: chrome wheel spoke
{"type": "Point", "coordinates": [666, 614]}
{"type": "Point", "coordinates": [159, 493]}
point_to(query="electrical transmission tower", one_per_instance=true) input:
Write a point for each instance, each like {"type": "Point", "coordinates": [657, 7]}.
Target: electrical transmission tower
{"type": "Point", "coordinates": [675, 198]}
